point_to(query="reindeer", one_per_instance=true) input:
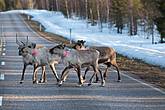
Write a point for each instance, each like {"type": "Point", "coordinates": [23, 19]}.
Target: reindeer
{"type": "Point", "coordinates": [107, 57]}
{"type": "Point", "coordinates": [38, 57]}
{"type": "Point", "coordinates": [77, 59]}
{"type": "Point", "coordinates": [26, 59]}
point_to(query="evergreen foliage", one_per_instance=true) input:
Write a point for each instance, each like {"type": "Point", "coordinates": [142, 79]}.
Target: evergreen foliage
{"type": "Point", "coordinates": [118, 13]}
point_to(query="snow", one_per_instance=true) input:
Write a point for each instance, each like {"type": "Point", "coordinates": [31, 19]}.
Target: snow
{"type": "Point", "coordinates": [131, 46]}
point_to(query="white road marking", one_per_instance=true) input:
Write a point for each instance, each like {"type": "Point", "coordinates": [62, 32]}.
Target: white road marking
{"type": "Point", "coordinates": [2, 76]}
{"type": "Point", "coordinates": [143, 83]}
{"type": "Point", "coordinates": [4, 49]}
{"type": "Point", "coordinates": [2, 63]}
{"type": "Point", "coordinates": [3, 54]}
{"type": "Point", "coordinates": [0, 100]}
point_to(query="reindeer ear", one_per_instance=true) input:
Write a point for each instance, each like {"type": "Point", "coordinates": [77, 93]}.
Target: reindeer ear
{"type": "Point", "coordinates": [18, 42]}
{"type": "Point", "coordinates": [64, 46]}
{"type": "Point", "coordinates": [34, 45]}
{"type": "Point", "coordinates": [27, 40]}
{"type": "Point", "coordinates": [83, 41]}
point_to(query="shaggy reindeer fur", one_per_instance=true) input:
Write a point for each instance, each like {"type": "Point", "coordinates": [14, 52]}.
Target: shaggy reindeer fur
{"type": "Point", "coordinates": [77, 59]}
{"type": "Point", "coordinates": [38, 56]}
{"type": "Point", "coordinates": [107, 57]}
{"type": "Point", "coordinates": [27, 60]}
{"type": "Point", "coordinates": [41, 57]}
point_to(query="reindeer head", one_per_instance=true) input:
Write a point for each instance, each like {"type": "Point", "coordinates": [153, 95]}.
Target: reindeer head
{"type": "Point", "coordinates": [57, 49]}
{"type": "Point", "coordinates": [79, 44]}
{"type": "Point", "coordinates": [22, 45]}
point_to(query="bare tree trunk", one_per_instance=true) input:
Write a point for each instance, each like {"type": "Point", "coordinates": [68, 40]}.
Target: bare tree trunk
{"type": "Point", "coordinates": [91, 16]}
{"type": "Point", "coordinates": [66, 6]}
{"type": "Point", "coordinates": [77, 5]}
{"type": "Point", "coordinates": [47, 7]}
{"type": "Point", "coordinates": [57, 5]}
{"type": "Point", "coordinates": [135, 26]}
{"type": "Point", "coordinates": [108, 11]}
{"type": "Point", "coordinates": [131, 17]}
{"type": "Point", "coordinates": [86, 11]}
{"type": "Point", "coordinates": [98, 16]}
{"type": "Point", "coordinates": [71, 7]}
{"type": "Point", "coordinates": [152, 32]}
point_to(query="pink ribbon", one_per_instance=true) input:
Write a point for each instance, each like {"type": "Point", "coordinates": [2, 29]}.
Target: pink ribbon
{"type": "Point", "coordinates": [66, 53]}
{"type": "Point", "coordinates": [35, 52]}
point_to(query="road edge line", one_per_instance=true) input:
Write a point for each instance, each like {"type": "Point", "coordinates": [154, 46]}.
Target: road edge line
{"type": "Point", "coordinates": [1, 101]}
{"type": "Point", "coordinates": [143, 83]}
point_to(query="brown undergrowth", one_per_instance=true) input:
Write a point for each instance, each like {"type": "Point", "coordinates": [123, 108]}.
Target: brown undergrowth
{"type": "Point", "coordinates": [152, 74]}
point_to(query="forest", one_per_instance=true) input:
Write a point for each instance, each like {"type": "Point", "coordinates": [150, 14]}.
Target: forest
{"type": "Point", "coordinates": [147, 14]}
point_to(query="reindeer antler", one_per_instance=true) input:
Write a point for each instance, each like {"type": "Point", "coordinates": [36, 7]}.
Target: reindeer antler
{"type": "Point", "coordinates": [27, 40]}
{"type": "Point", "coordinates": [17, 40]}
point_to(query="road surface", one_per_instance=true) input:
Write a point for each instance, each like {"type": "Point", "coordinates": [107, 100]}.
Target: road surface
{"type": "Point", "coordinates": [130, 94]}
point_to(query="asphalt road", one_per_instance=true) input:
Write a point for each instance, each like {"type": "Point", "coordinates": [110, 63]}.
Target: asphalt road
{"type": "Point", "coordinates": [130, 94]}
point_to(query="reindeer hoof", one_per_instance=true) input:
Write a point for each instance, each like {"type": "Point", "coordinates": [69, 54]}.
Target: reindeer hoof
{"type": "Point", "coordinates": [60, 83]}
{"type": "Point", "coordinates": [89, 84]}
{"type": "Point", "coordinates": [21, 82]}
{"type": "Point", "coordinates": [79, 85]}
{"type": "Point", "coordinates": [35, 82]}
{"type": "Point", "coordinates": [103, 83]}
{"type": "Point", "coordinates": [41, 81]}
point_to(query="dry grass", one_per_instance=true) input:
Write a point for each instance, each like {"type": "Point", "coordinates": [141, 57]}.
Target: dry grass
{"type": "Point", "coordinates": [154, 75]}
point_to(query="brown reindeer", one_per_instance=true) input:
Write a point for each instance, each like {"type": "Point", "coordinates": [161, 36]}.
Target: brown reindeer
{"type": "Point", "coordinates": [107, 57]}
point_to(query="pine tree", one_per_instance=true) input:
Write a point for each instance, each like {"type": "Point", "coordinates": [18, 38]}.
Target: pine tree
{"type": "Point", "coordinates": [160, 21]}
{"type": "Point", "coordinates": [118, 13]}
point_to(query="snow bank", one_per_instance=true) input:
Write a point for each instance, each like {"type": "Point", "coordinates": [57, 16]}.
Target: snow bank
{"type": "Point", "coordinates": [131, 46]}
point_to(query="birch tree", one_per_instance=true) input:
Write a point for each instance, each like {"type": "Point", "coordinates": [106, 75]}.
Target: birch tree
{"type": "Point", "coordinates": [2, 5]}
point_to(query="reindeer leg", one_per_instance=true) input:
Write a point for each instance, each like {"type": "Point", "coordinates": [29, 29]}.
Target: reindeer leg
{"type": "Point", "coordinates": [102, 79]}
{"type": "Point", "coordinates": [82, 79]}
{"type": "Point", "coordinates": [97, 78]}
{"type": "Point", "coordinates": [43, 75]}
{"type": "Point", "coordinates": [64, 74]}
{"type": "Point", "coordinates": [35, 73]}
{"type": "Point", "coordinates": [106, 70]}
{"type": "Point", "coordinates": [95, 73]}
{"type": "Point", "coordinates": [117, 68]}
{"type": "Point", "coordinates": [45, 80]}
{"type": "Point", "coordinates": [86, 72]}
{"type": "Point", "coordinates": [54, 72]}
{"type": "Point", "coordinates": [79, 75]}
{"type": "Point", "coordinates": [91, 79]}
{"type": "Point", "coordinates": [23, 72]}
